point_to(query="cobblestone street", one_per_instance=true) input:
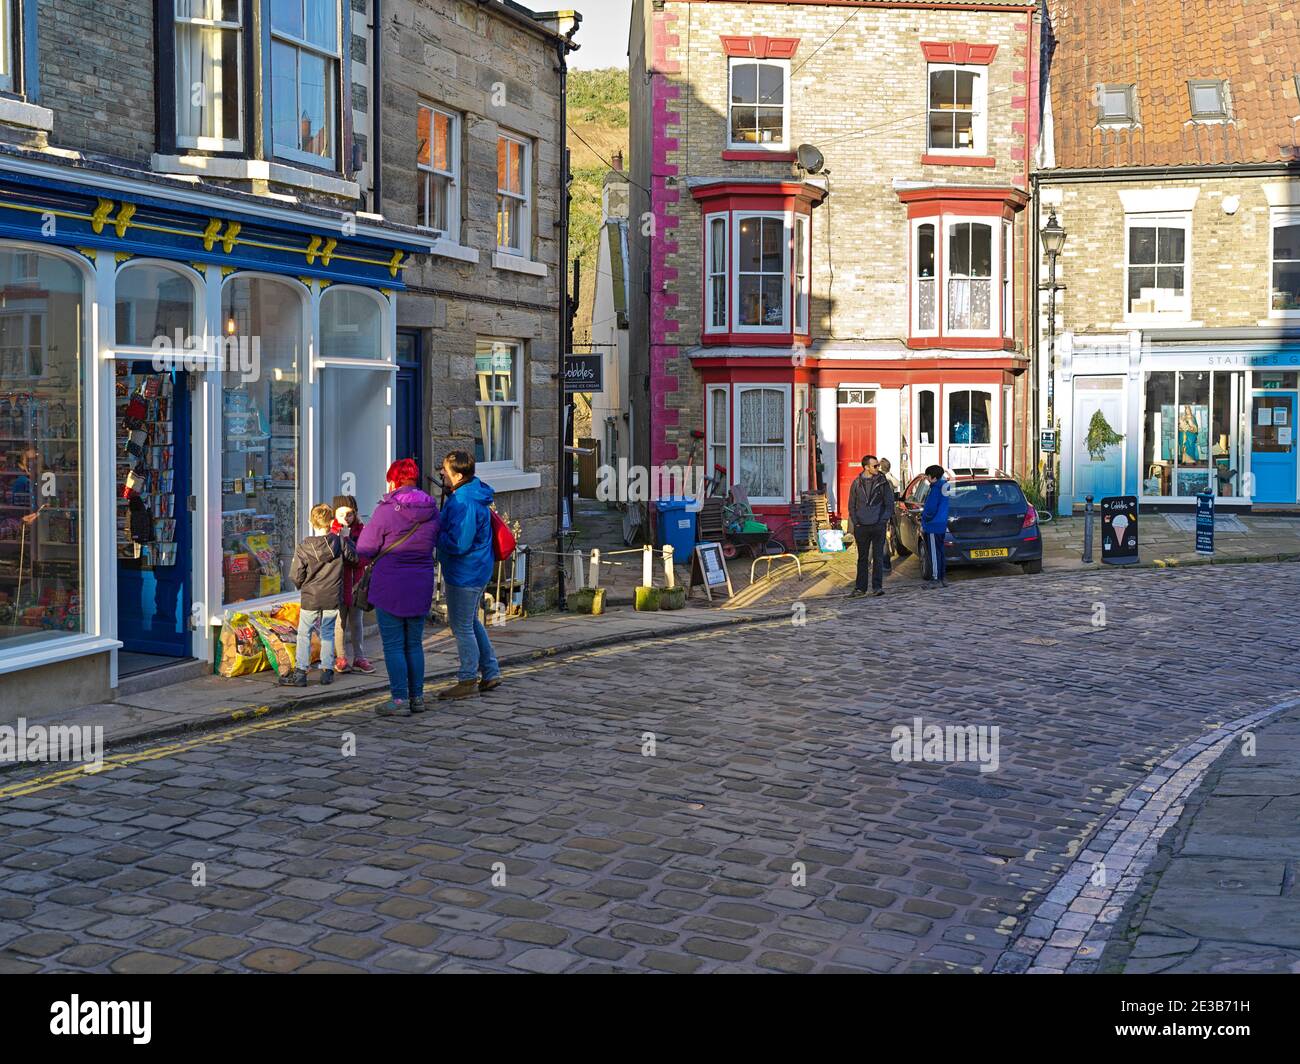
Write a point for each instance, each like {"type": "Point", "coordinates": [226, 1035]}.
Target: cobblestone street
{"type": "Point", "coordinates": [532, 830]}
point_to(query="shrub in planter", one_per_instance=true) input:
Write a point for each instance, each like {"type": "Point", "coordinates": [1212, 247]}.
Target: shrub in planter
{"type": "Point", "coordinates": [647, 598]}
{"type": "Point", "coordinates": [672, 598]}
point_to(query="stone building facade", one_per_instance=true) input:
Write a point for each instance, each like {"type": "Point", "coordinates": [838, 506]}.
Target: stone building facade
{"type": "Point", "coordinates": [203, 273]}
{"type": "Point", "coordinates": [1169, 155]}
{"type": "Point", "coordinates": [482, 86]}
{"type": "Point", "coordinates": [867, 297]}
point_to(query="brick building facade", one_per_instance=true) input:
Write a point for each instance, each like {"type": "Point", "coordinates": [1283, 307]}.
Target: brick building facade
{"type": "Point", "coordinates": [1169, 154]}
{"type": "Point", "coordinates": [803, 315]}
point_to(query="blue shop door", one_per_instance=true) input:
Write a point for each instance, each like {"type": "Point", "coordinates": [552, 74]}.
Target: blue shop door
{"type": "Point", "coordinates": [1098, 475]}
{"type": "Point", "coordinates": [409, 439]}
{"type": "Point", "coordinates": [152, 479]}
{"type": "Point", "coordinates": [1273, 446]}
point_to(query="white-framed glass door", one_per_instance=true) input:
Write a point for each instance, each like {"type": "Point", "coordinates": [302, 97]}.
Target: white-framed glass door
{"type": "Point", "coordinates": [925, 419]}
{"type": "Point", "coordinates": [970, 426]}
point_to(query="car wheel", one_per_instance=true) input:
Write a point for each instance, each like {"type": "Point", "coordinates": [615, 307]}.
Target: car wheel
{"type": "Point", "coordinates": [1029, 568]}
{"type": "Point", "coordinates": [901, 547]}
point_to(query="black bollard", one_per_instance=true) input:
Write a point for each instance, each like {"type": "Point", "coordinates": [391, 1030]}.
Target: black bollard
{"type": "Point", "coordinates": [1087, 530]}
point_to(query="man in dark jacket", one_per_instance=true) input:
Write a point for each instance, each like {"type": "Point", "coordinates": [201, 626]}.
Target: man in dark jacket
{"type": "Point", "coordinates": [317, 573]}
{"type": "Point", "coordinates": [871, 505]}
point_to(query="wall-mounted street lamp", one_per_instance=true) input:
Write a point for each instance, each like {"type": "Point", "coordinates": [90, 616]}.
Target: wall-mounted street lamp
{"type": "Point", "coordinates": [1053, 237]}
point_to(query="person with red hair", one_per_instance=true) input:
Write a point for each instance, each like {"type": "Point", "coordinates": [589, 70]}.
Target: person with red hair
{"type": "Point", "coordinates": [399, 543]}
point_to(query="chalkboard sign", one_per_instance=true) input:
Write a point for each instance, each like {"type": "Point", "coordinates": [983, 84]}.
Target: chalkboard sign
{"type": "Point", "coordinates": [1205, 523]}
{"type": "Point", "coordinates": [709, 567]}
{"type": "Point", "coordinates": [1119, 530]}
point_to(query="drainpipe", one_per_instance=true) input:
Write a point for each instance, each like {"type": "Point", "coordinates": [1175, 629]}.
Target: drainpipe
{"type": "Point", "coordinates": [376, 107]}
{"type": "Point", "coordinates": [564, 335]}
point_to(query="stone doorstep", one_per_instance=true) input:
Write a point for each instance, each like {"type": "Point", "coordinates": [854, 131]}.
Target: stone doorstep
{"type": "Point", "coordinates": [372, 685]}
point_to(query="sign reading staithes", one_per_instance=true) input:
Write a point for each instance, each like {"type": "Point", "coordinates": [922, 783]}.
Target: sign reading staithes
{"type": "Point", "coordinates": [709, 567]}
{"type": "Point", "coordinates": [584, 373]}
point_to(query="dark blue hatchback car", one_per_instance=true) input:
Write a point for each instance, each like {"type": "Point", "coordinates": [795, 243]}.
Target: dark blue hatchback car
{"type": "Point", "coordinates": [989, 521]}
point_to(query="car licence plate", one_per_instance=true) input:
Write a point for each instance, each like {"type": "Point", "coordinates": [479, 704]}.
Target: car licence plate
{"type": "Point", "coordinates": [992, 552]}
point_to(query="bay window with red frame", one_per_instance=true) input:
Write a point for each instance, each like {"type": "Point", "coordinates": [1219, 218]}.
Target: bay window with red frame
{"type": "Point", "coordinates": [756, 245]}
{"type": "Point", "coordinates": [961, 261]}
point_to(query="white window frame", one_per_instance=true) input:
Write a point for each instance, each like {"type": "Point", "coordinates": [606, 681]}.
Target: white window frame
{"type": "Point", "coordinates": [1008, 280]}
{"type": "Point", "coordinates": [182, 101]}
{"type": "Point", "coordinates": [951, 221]}
{"type": "Point", "coordinates": [711, 429]}
{"type": "Point", "coordinates": [788, 445]}
{"type": "Point", "coordinates": [784, 66]}
{"type": "Point", "coordinates": [427, 172]}
{"type": "Point", "coordinates": [1173, 220]}
{"type": "Point", "coordinates": [738, 218]}
{"type": "Point", "coordinates": [332, 119]}
{"type": "Point", "coordinates": [979, 109]}
{"type": "Point", "coordinates": [713, 278]}
{"type": "Point", "coordinates": [515, 465]}
{"type": "Point", "coordinates": [803, 416]}
{"type": "Point", "coordinates": [525, 200]}
{"type": "Point", "coordinates": [1280, 216]}
{"type": "Point", "coordinates": [913, 281]}
{"type": "Point", "coordinates": [9, 12]}
{"type": "Point", "coordinates": [801, 298]}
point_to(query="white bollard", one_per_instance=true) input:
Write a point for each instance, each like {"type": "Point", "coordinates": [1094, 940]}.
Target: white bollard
{"type": "Point", "coordinates": [595, 567]}
{"type": "Point", "coordinates": [647, 567]}
{"type": "Point", "coordinates": [580, 580]}
{"type": "Point", "coordinates": [668, 567]}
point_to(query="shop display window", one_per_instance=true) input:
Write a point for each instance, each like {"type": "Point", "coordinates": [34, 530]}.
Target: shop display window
{"type": "Point", "coordinates": [355, 399]}
{"type": "Point", "coordinates": [42, 314]}
{"type": "Point", "coordinates": [261, 425]}
{"type": "Point", "coordinates": [155, 306]}
{"type": "Point", "coordinates": [1191, 436]}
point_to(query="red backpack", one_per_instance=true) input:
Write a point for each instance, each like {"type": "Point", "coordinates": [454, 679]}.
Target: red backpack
{"type": "Point", "coordinates": [503, 540]}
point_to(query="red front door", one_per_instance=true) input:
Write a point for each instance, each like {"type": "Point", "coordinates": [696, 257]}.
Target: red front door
{"type": "Point", "coordinates": [857, 437]}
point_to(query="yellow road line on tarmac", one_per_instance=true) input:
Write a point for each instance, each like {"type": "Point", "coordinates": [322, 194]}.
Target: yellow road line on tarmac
{"type": "Point", "coordinates": [225, 735]}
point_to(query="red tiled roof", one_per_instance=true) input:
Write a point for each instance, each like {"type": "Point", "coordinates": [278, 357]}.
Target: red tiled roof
{"type": "Point", "coordinates": [1158, 46]}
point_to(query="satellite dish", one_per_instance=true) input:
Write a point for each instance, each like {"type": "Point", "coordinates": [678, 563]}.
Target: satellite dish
{"type": "Point", "coordinates": [810, 158]}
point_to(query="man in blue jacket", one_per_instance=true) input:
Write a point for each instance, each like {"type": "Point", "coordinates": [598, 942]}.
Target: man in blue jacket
{"type": "Point", "coordinates": [934, 523]}
{"type": "Point", "coordinates": [465, 553]}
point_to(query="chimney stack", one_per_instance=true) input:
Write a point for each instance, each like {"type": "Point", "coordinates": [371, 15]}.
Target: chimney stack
{"type": "Point", "coordinates": [618, 161]}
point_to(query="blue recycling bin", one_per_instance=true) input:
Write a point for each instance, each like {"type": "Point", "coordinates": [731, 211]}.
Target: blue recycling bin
{"type": "Point", "coordinates": [676, 528]}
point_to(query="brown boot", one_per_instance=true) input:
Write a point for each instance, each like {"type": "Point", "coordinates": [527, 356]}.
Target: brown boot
{"type": "Point", "coordinates": [461, 689]}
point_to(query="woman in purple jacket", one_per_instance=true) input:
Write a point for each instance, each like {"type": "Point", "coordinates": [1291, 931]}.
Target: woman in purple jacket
{"type": "Point", "coordinates": [404, 530]}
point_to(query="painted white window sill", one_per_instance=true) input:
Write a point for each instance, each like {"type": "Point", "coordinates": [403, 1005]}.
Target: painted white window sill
{"type": "Point", "coordinates": [21, 113]}
{"type": "Point", "coordinates": [1282, 320]}
{"type": "Point", "coordinates": [509, 480]}
{"type": "Point", "coordinates": [518, 264]}
{"type": "Point", "coordinates": [459, 252]}
{"type": "Point", "coordinates": [209, 166]}
{"type": "Point", "coordinates": [65, 648]}
{"type": "Point", "coordinates": [1156, 323]}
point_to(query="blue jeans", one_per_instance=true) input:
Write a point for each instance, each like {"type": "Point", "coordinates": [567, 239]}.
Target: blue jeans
{"type": "Point", "coordinates": [472, 643]}
{"type": "Point", "coordinates": [403, 654]}
{"type": "Point", "coordinates": [307, 620]}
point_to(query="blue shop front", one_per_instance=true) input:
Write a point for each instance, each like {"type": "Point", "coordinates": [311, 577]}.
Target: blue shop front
{"type": "Point", "coordinates": [183, 373]}
{"type": "Point", "coordinates": [1166, 418]}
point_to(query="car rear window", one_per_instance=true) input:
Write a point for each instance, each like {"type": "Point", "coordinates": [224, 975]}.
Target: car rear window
{"type": "Point", "coordinates": [978, 495]}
